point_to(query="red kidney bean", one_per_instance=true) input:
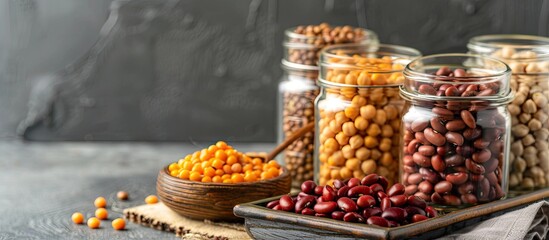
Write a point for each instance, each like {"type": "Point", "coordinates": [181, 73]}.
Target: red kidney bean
{"type": "Point", "coordinates": [396, 189]}
{"type": "Point", "coordinates": [353, 217]}
{"type": "Point", "coordinates": [443, 187]}
{"type": "Point", "coordinates": [455, 138]}
{"type": "Point", "coordinates": [431, 212]}
{"type": "Point", "coordinates": [469, 198]}
{"type": "Point", "coordinates": [411, 210]}
{"type": "Point", "coordinates": [379, 221]}
{"type": "Point", "coordinates": [318, 190]}
{"type": "Point", "coordinates": [492, 179]}
{"type": "Point", "coordinates": [381, 195]}
{"type": "Point", "coordinates": [437, 198]}
{"type": "Point", "coordinates": [476, 177]}
{"type": "Point", "coordinates": [308, 187]}
{"type": "Point", "coordinates": [324, 215]}
{"type": "Point", "coordinates": [482, 156]}
{"type": "Point", "coordinates": [419, 124]}
{"type": "Point", "coordinates": [358, 191]}
{"type": "Point", "coordinates": [410, 169]}
{"type": "Point", "coordinates": [438, 163]}
{"type": "Point", "coordinates": [444, 113]}
{"type": "Point", "coordinates": [414, 178]}
{"type": "Point", "coordinates": [457, 178]}
{"type": "Point", "coordinates": [412, 146]}
{"type": "Point", "coordinates": [468, 93]}
{"type": "Point", "coordinates": [458, 72]}
{"type": "Point", "coordinates": [416, 201]}
{"type": "Point", "coordinates": [328, 194]}
{"type": "Point", "coordinates": [466, 188]}
{"type": "Point", "coordinates": [484, 190]}
{"type": "Point", "coordinates": [398, 200]}
{"type": "Point", "coordinates": [443, 71]}
{"type": "Point", "coordinates": [427, 89]}
{"type": "Point", "coordinates": [428, 175]}
{"type": "Point", "coordinates": [369, 212]}
{"type": "Point", "coordinates": [346, 204]}
{"type": "Point", "coordinates": [474, 167]}
{"type": "Point", "coordinates": [496, 147]}
{"type": "Point", "coordinates": [338, 184]}
{"type": "Point", "coordinates": [408, 161]}
{"type": "Point", "coordinates": [366, 201]}
{"type": "Point", "coordinates": [437, 125]}
{"type": "Point", "coordinates": [454, 160]}
{"type": "Point", "coordinates": [420, 137]}
{"type": "Point", "coordinates": [325, 207]}
{"type": "Point", "coordinates": [464, 150]}
{"type": "Point", "coordinates": [421, 160]}
{"type": "Point", "coordinates": [452, 91]}
{"type": "Point", "coordinates": [468, 118]}
{"type": "Point", "coordinates": [426, 150]}
{"type": "Point", "coordinates": [434, 137]}
{"type": "Point", "coordinates": [304, 202]}
{"type": "Point", "coordinates": [342, 192]}
{"type": "Point", "coordinates": [277, 207]}
{"type": "Point", "coordinates": [308, 211]}
{"type": "Point", "coordinates": [383, 182]}
{"type": "Point", "coordinates": [418, 218]}
{"type": "Point", "coordinates": [272, 204]}
{"type": "Point", "coordinates": [455, 125]}
{"type": "Point", "coordinates": [471, 134]}
{"type": "Point", "coordinates": [395, 214]}
{"type": "Point", "coordinates": [385, 203]}
{"type": "Point", "coordinates": [410, 189]}
{"type": "Point", "coordinates": [451, 200]}
{"type": "Point", "coordinates": [499, 191]}
{"type": "Point", "coordinates": [369, 179]}
{"type": "Point", "coordinates": [423, 196]}
{"type": "Point", "coordinates": [376, 187]}
{"type": "Point", "coordinates": [301, 195]}
{"type": "Point", "coordinates": [353, 182]}
{"type": "Point", "coordinates": [338, 215]}
{"type": "Point", "coordinates": [286, 203]}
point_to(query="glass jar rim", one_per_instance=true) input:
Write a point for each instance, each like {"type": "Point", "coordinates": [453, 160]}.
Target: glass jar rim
{"type": "Point", "coordinates": [485, 43]}
{"type": "Point", "coordinates": [325, 83]}
{"type": "Point", "coordinates": [289, 32]}
{"type": "Point", "coordinates": [492, 99]}
{"type": "Point", "coordinates": [414, 74]}
{"type": "Point", "coordinates": [403, 53]}
{"type": "Point", "coordinates": [291, 66]}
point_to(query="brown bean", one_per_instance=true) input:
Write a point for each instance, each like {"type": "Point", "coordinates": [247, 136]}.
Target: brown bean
{"type": "Point", "coordinates": [484, 190]}
{"type": "Point", "coordinates": [443, 187]}
{"type": "Point", "coordinates": [455, 138]}
{"type": "Point", "coordinates": [468, 119]}
{"type": "Point", "coordinates": [431, 212]}
{"type": "Point", "coordinates": [395, 214]}
{"type": "Point", "coordinates": [451, 200]}
{"type": "Point", "coordinates": [481, 143]}
{"type": "Point", "coordinates": [452, 91]}
{"type": "Point", "coordinates": [427, 89]}
{"type": "Point", "coordinates": [471, 134]}
{"type": "Point", "coordinates": [428, 175]}
{"type": "Point", "coordinates": [444, 113]}
{"type": "Point", "coordinates": [416, 201]}
{"type": "Point", "coordinates": [421, 138]}
{"type": "Point", "coordinates": [455, 125]}
{"type": "Point", "coordinates": [358, 191]}
{"type": "Point", "coordinates": [457, 178]}
{"type": "Point", "coordinates": [438, 163]}
{"type": "Point", "coordinates": [423, 196]}
{"type": "Point", "coordinates": [426, 150]}
{"type": "Point", "coordinates": [412, 146]}
{"type": "Point", "coordinates": [325, 207]}
{"type": "Point", "coordinates": [469, 198]}
{"type": "Point", "coordinates": [434, 137]}
{"type": "Point", "coordinates": [425, 187]}
{"type": "Point", "coordinates": [410, 189]}
{"type": "Point", "coordinates": [454, 160]}
{"type": "Point", "coordinates": [492, 178]}
{"type": "Point", "coordinates": [415, 178]}
{"type": "Point", "coordinates": [491, 165]}
{"type": "Point", "coordinates": [437, 198]}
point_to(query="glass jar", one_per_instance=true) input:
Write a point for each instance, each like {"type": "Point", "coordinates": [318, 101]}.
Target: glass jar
{"type": "Point", "coordinates": [302, 44]}
{"type": "Point", "coordinates": [528, 58]}
{"type": "Point", "coordinates": [297, 93]}
{"type": "Point", "coordinates": [358, 111]}
{"type": "Point", "coordinates": [456, 129]}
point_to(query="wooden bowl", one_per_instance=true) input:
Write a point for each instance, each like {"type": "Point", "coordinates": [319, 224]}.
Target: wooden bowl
{"type": "Point", "coordinates": [215, 201]}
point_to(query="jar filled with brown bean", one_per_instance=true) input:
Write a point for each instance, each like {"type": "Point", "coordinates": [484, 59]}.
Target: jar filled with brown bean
{"type": "Point", "coordinates": [528, 58]}
{"type": "Point", "coordinates": [358, 111]}
{"type": "Point", "coordinates": [297, 93]}
{"type": "Point", "coordinates": [456, 129]}
{"type": "Point", "coordinates": [302, 44]}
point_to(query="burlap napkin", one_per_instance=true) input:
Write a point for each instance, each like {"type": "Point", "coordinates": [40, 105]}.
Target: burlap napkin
{"type": "Point", "coordinates": [529, 222]}
{"type": "Point", "coordinates": [160, 217]}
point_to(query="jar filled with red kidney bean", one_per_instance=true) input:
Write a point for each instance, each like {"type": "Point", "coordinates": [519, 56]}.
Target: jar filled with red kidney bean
{"type": "Point", "coordinates": [456, 129]}
{"type": "Point", "coordinates": [528, 58]}
{"type": "Point", "coordinates": [358, 111]}
{"type": "Point", "coordinates": [297, 93]}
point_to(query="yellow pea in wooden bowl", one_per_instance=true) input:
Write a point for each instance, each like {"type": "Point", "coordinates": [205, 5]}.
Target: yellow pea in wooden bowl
{"type": "Point", "coordinates": [215, 201]}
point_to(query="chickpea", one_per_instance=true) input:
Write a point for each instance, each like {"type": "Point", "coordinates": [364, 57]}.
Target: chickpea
{"type": "Point", "coordinates": [375, 154]}
{"type": "Point", "coordinates": [385, 144]}
{"type": "Point", "coordinates": [353, 164]}
{"type": "Point", "coordinates": [345, 173]}
{"type": "Point", "coordinates": [381, 117]}
{"type": "Point", "coordinates": [356, 141]}
{"type": "Point", "coordinates": [348, 151]}
{"type": "Point", "coordinates": [352, 112]}
{"type": "Point", "coordinates": [373, 130]}
{"type": "Point", "coordinates": [387, 131]}
{"type": "Point", "coordinates": [361, 123]}
{"type": "Point", "coordinates": [331, 145]}
{"type": "Point", "coordinates": [371, 142]}
{"type": "Point", "coordinates": [334, 127]}
{"type": "Point", "coordinates": [336, 159]}
{"type": "Point", "coordinates": [349, 129]}
{"type": "Point", "coordinates": [391, 112]}
{"type": "Point", "coordinates": [368, 112]}
{"type": "Point", "coordinates": [363, 153]}
{"type": "Point", "coordinates": [529, 106]}
{"type": "Point", "coordinates": [358, 101]}
{"type": "Point", "coordinates": [386, 159]}
{"type": "Point", "coordinates": [342, 139]}
{"type": "Point", "coordinates": [341, 118]}
{"type": "Point", "coordinates": [368, 166]}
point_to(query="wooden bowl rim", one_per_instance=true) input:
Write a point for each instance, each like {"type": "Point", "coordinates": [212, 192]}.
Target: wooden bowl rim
{"type": "Point", "coordinates": [165, 171]}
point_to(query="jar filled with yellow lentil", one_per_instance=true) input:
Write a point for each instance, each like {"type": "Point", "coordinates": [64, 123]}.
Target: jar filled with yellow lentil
{"type": "Point", "coordinates": [528, 58]}
{"type": "Point", "coordinates": [357, 113]}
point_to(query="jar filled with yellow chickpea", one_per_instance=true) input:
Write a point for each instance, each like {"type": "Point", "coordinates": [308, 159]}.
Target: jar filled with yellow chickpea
{"type": "Point", "coordinates": [357, 113]}
{"type": "Point", "coordinates": [528, 58]}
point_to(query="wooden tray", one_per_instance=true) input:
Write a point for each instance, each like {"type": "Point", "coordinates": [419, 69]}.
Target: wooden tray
{"type": "Point", "coordinates": [264, 223]}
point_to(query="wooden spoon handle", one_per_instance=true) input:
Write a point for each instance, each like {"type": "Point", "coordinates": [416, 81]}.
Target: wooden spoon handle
{"type": "Point", "coordinates": [297, 134]}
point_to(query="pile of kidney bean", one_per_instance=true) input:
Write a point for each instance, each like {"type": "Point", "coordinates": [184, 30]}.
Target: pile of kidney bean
{"type": "Point", "coordinates": [365, 200]}
{"type": "Point", "coordinates": [454, 150]}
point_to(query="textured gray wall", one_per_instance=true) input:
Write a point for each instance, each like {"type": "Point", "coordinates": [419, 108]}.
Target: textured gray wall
{"type": "Point", "coordinates": [192, 70]}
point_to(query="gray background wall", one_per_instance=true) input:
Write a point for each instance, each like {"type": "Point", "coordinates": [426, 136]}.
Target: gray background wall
{"type": "Point", "coordinates": [192, 70]}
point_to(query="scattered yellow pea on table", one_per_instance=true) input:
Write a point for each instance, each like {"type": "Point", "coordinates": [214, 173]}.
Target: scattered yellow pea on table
{"type": "Point", "coordinates": [77, 218]}
{"type": "Point", "coordinates": [100, 202]}
{"type": "Point", "coordinates": [94, 223]}
{"type": "Point", "coordinates": [118, 224]}
{"type": "Point", "coordinates": [101, 213]}
{"type": "Point", "coordinates": [151, 199]}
